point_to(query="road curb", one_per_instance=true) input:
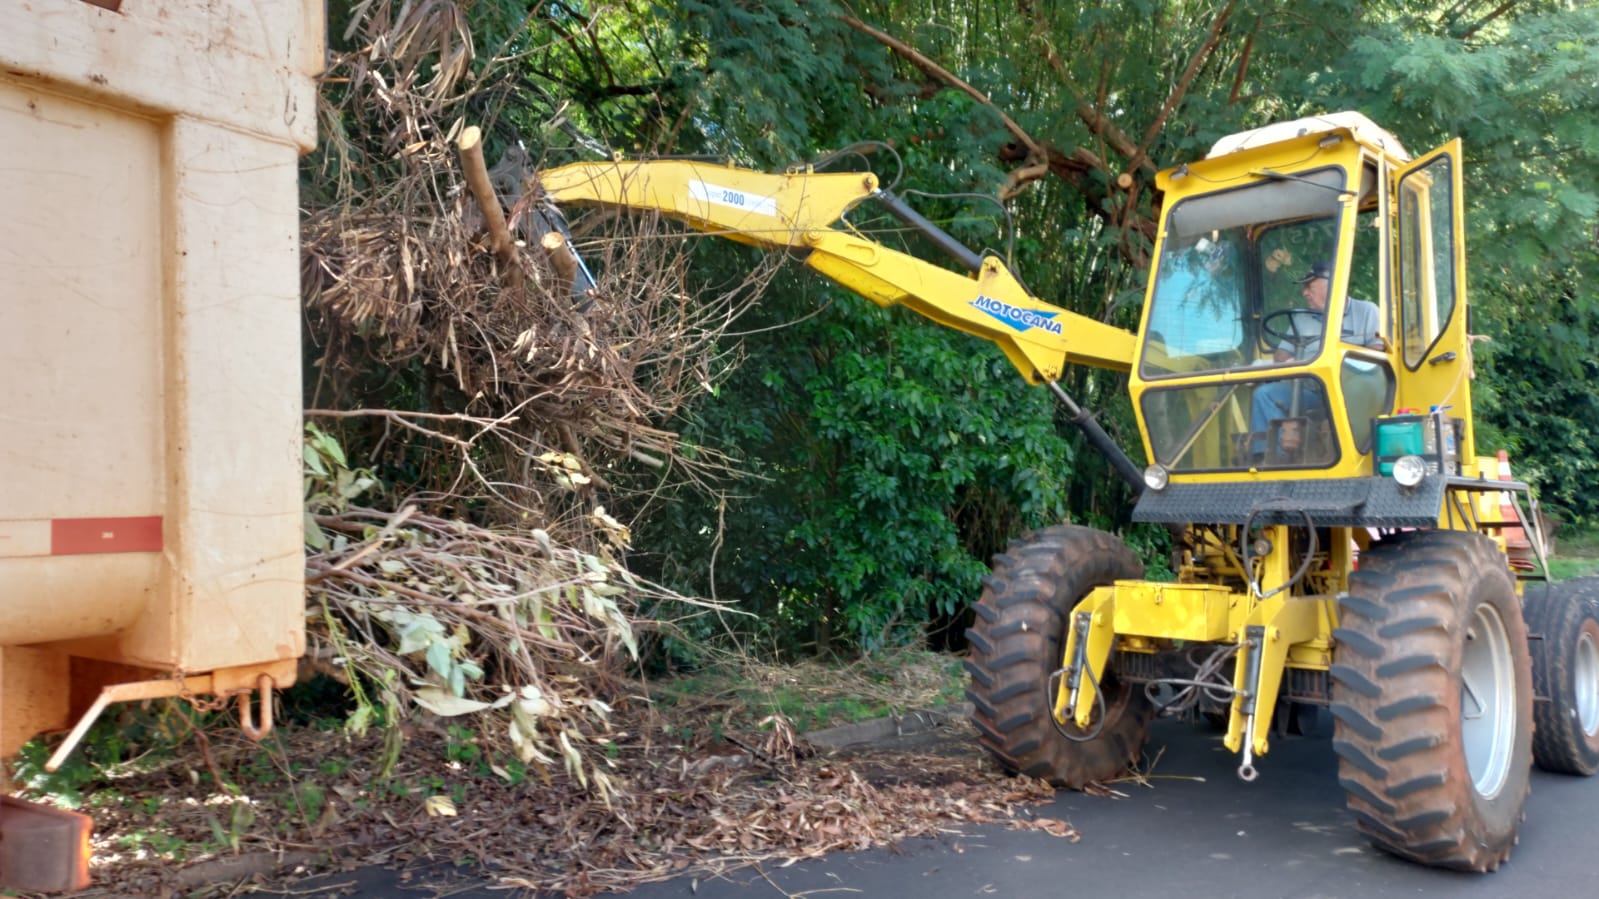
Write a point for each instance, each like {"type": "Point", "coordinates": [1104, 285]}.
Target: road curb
{"type": "Point", "coordinates": [916, 721]}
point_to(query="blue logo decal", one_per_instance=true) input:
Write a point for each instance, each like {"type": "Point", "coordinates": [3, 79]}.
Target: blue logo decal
{"type": "Point", "coordinates": [1017, 317]}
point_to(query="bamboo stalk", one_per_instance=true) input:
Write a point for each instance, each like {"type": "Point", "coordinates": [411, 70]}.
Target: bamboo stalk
{"type": "Point", "coordinates": [470, 144]}
{"type": "Point", "coordinates": [561, 260]}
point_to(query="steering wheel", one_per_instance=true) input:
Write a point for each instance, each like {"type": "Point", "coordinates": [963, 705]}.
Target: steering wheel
{"type": "Point", "coordinates": [1277, 335]}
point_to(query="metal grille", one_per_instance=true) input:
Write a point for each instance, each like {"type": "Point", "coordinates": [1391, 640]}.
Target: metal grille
{"type": "Point", "coordinates": [1138, 667]}
{"type": "Point", "coordinates": [1305, 685]}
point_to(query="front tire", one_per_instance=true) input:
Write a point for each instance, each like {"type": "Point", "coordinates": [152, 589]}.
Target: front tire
{"type": "Point", "coordinates": [1565, 670]}
{"type": "Point", "coordinates": [1016, 642]}
{"type": "Point", "coordinates": [1432, 696]}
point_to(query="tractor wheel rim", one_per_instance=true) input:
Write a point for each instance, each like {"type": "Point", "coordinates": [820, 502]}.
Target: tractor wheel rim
{"type": "Point", "coordinates": [1487, 701]}
{"type": "Point", "coordinates": [1585, 669]}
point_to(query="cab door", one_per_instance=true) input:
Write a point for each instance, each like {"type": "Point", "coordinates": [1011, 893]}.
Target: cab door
{"type": "Point", "coordinates": [1429, 286]}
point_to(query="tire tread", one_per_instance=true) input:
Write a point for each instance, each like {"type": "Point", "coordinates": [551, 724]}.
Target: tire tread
{"type": "Point", "coordinates": [1395, 699]}
{"type": "Point", "coordinates": [1016, 643]}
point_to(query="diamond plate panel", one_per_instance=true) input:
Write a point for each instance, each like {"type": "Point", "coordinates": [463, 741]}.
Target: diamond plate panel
{"type": "Point", "coordinates": [1375, 502]}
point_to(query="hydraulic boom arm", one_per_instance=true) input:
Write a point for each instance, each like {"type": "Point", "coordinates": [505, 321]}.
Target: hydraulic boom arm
{"type": "Point", "coordinates": [798, 212]}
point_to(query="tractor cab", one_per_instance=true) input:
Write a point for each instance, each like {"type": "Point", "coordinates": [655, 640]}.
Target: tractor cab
{"type": "Point", "coordinates": [1303, 273]}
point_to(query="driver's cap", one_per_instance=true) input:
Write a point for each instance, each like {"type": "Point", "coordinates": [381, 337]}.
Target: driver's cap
{"type": "Point", "coordinates": [1317, 270]}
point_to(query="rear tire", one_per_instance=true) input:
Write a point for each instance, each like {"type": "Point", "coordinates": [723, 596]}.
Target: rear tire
{"type": "Point", "coordinates": [1565, 669]}
{"type": "Point", "coordinates": [1016, 642]}
{"type": "Point", "coordinates": [1432, 697]}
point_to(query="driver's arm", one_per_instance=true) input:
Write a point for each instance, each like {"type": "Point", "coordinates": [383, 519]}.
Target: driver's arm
{"type": "Point", "coordinates": [1282, 355]}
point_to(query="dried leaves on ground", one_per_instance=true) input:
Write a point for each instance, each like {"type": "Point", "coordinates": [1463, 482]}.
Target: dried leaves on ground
{"type": "Point", "coordinates": [315, 798]}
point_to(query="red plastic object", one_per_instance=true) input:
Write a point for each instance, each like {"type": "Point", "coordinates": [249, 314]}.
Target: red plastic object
{"type": "Point", "coordinates": [43, 848]}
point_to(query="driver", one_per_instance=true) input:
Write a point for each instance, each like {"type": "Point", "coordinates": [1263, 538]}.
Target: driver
{"type": "Point", "coordinates": [1362, 320]}
{"type": "Point", "coordinates": [1361, 326]}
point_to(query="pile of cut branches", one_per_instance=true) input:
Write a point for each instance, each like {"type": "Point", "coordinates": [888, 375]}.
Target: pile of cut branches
{"type": "Point", "coordinates": [490, 405]}
{"type": "Point", "coordinates": [454, 619]}
{"type": "Point", "coordinates": [450, 341]}
{"type": "Point", "coordinates": [682, 819]}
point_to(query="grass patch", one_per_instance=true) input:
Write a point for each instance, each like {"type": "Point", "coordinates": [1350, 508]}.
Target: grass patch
{"type": "Point", "coordinates": [811, 694]}
{"type": "Point", "coordinates": [1566, 569]}
{"type": "Point", "coordinates": [1578, 555]}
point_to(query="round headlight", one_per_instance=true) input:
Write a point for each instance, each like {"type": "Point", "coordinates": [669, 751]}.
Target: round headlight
{"type": "Point", "coordinates": [1409, 470]}
{"type": "Point", "coordinates": [1156, 477]}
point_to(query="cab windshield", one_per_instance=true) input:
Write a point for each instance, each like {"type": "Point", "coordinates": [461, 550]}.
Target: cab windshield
{"type": "Point", "coordinates": [1229, 296]}
{"type": "Point", "coordinates": [1232, 261]}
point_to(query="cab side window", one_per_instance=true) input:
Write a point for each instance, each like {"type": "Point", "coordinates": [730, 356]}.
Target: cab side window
{"type": "Point", "coordinates": [1425, 257]}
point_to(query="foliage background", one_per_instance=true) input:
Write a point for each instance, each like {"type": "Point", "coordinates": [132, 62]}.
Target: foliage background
{"type": "Point", "coordinates": [885, 460]}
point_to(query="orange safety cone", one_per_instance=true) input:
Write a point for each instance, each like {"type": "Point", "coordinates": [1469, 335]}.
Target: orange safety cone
{"type": "Point", "coordinates": [1517, 547]}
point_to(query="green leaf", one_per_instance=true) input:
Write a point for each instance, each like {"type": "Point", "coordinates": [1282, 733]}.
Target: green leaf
{"type": "Point", "coordinates": [314, 537]}
{"type": "Point", "coordinates": [438, 657]}
{"type": "Point", "coordinates": [330, 447]}
{"type": "Point", "coordinates": [313, 460]}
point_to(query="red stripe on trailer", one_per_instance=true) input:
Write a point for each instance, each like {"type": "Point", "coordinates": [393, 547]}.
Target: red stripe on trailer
{"type": "Point", "coordinates": [84, 536]}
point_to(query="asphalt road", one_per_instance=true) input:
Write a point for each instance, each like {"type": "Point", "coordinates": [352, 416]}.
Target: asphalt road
{"type": "Point", "coordinates": [1286, 836]}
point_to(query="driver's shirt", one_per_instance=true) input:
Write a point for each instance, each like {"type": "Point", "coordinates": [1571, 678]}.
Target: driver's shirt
{"type": "Point", "coordinates": [1362, 322]}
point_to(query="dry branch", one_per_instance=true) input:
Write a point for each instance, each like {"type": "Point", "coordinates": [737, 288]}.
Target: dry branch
{"type": "Point", "coordinates": [1180, 89]}
{"type": "Point", "coordinates": [393, 278]}
{"type": "Point", "coordinates": [1100, 125]}
{"type": "Point", "coordinates": [1243, 62]}
{"type": "Point", "coordinates": [933, 69]}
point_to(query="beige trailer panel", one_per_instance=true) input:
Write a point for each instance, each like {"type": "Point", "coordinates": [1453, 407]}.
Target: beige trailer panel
{"type": "Point", "coordinates": [81, 237]}
{"type": "Point", "coordinates": [150, 415]}
{"type": "Point", "coordinates": [245, 64]}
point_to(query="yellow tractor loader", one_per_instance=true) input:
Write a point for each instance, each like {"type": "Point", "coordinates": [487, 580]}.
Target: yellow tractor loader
{"type": "Point", "coordinates": [1301, 378]}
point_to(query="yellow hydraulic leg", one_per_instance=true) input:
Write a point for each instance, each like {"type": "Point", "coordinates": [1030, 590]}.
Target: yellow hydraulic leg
{"type": "Point", "coordinates": [1088, 644]}
{"type": "Point", "coordinates": [1275, 624]}
{"type": "Point", "coordinates": [1276, 621]}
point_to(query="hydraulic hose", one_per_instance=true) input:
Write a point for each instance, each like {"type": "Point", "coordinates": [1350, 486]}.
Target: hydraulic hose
{"type": "Point", "coordinates": [1085, 422]}
{"type": "Point", "coordinates": [942, 239]}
